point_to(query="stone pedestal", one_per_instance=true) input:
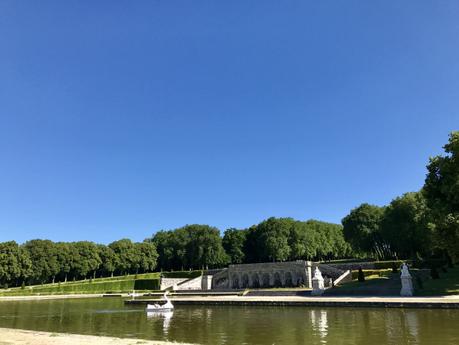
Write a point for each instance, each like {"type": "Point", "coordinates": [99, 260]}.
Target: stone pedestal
{"type": "Point", "coordinates": [318, 287]}
{"type": "Point", "coordinates": [407, 282]}
{"type": "Point", "coordinates": [206, 282]}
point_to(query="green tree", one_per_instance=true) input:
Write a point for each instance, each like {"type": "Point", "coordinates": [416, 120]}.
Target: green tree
{"type": "Point", "coordinates": [234, 242]}
{"type": "Point", "coordinates": [405, 226]}
{"type": "Point", "coordinates": [272, 239]}
{"type": "Point", "coordinates": [441, 190]}
{"type": "Point", "coordinates": [14, 267]}
{"type": "Point", "coordinates": [361, 228]}
{"type": "Point", "coordinates": [126, 256]}
{"type": "Point", "coordinates": [204, 248]}
{"type": "Point", "coordinates": [108, 260]}
{"type": "Point", "coordinates": [43, 255]}
{"type": "Point", "coordinates": [88, 259]}
{"type": "Point", "coordinates": [66, 257]}
{"type": "Point", "coordinates": [148, 256]}
{"type": "Point", "coordinates": [190, 247]}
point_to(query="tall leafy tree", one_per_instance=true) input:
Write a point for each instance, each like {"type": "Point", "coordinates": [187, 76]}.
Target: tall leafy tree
{"type": "Point", "coordinates": [126, 256]}
{"type": "Point", "coordinates": [45, 264]}
{"type": "Point", "coordinates": [108, 259]}
{"type": "Point", "coordinates": [405, 226]}
{"type": "Point", "coordinates": [441, 190]}
{"type": "Point", "coordinates": [234, 242]}
{"type": "Point", "coordinates": [361, 228]}
{"type": "Point", "coordinates": [88, 259]}
{"type": "Point", "coordinates": [67, 256]}
{"type": "Point", "coordinates": [147, 256]}
{"type": "Point", "coordinates": [14, 263]}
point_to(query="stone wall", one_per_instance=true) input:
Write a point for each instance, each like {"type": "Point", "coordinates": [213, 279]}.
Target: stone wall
{"type": "Point", "coordinates": [190, 284]}
{"type": "Point", "coordinates": [264, 275]}
{"type": "Point", "coordinates": [170, 282]}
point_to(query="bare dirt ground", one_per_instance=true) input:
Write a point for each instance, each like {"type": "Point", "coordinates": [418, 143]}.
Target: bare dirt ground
{"type": "Point", "coordinates": [21, 337]}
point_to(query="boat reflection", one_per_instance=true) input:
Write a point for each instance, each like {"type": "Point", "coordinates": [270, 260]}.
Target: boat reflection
{"type": "Point", "coordinates": [165, 315]}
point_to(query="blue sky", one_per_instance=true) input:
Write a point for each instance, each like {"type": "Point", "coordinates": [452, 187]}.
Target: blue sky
{"type": "Point", "coordinates": [120, 118]}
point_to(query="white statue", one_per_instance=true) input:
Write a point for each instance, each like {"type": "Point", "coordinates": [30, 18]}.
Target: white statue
{"type": "Point", "coordinates": [317, 283]}
{"type": "Point", "coordinates": [407, 283]}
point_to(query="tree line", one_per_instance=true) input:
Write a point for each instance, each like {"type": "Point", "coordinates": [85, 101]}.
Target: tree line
{"type": "Point", "coordinates": [44, 261]}
{"type": "Point", "coordinates": [275, 239]}
{"type": "Point", "coordinates": [415, 225]}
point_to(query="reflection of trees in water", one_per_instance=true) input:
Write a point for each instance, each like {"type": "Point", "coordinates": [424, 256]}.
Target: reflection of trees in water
{"type": "Point", "coordinates": [233, 325]}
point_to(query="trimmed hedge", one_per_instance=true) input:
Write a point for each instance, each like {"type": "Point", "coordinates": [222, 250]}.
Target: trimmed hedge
{"type": "Point", "coordinates": [147, 284]}
{"type": "Point", "coordinates": [367, 273]}
{"type": "Point", "coordinates": [88, 287]}
{"type": "Point", "coordinates": [182, 274]}
{"type": "Point", "coordinates": [380, 265]}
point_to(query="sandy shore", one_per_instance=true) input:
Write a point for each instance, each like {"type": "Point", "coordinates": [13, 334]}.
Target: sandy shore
{"type": "Point", "coordinates": [21, 337]}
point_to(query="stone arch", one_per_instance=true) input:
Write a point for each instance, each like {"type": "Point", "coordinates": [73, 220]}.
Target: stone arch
{"type": "Point", "coordinates": [235, 282]}
{"type": "Point", "coordinates": [288, 279]}
{"type": "Point", "coordinates": [277, 279]}
{"type": "Point", "coordinates": [255, 281]}
{"type": "Point", "coordinates": [265, 280]}
{"type": "Point", "coordinates": [245, 281]}
{"type": "Point", "coordinates": [299, 280]}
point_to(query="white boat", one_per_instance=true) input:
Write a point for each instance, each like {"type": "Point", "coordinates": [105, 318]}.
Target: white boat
{"type": "Point", "coordinates": [168, 306]}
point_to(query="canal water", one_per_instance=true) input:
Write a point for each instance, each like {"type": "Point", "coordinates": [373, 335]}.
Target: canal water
{"type": "Point", "coordinates": [237, 325]}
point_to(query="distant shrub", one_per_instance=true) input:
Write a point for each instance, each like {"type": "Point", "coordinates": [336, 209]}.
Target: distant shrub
{"type": "Point", "coordinates": [367, 273]}
{"type": "Point", "coordinates": [419, 282]}
{"type": "Point", "coordinates": [388, 264]}
{"type": "Point", "coordinates": [147, 284]}
{"type": "Point", "coordinates": [434, 273]}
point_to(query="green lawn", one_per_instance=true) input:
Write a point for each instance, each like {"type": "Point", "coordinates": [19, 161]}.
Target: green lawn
{"type": "Point", "coordinates": [448, 284]}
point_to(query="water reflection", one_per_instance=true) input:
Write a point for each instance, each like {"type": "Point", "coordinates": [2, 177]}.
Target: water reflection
{"type": "Point", "coordinates": [166, 316]}
{"type": "Point", "coordinates": [319, 323]}
{"type": "Point", "coordinates": [232, 325]}
{"type": "Point", "coordinates": [411, 321]}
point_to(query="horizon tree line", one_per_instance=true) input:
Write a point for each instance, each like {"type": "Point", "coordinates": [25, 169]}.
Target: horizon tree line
{"type": "Point", "coordinates": [416, 225]}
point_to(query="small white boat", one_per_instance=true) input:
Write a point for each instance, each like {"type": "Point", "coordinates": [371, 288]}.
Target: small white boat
{"type": "Point", "coordinates": [168, 306]}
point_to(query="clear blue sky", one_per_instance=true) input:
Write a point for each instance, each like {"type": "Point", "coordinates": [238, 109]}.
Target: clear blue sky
{"type": "Point", "coordinates": [120, 118]}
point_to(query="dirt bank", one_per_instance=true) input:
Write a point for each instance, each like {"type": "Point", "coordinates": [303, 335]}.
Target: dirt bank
{"type": "Point", "coordinates": [21, 337]}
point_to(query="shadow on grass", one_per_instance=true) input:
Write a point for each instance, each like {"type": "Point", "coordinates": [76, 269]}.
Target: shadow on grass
{"type": "Point", "coordinates": [448, 284]}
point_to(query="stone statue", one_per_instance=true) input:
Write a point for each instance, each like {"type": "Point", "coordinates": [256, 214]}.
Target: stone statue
{"type": "Point", "coordinates": [407, 283]}
{"type": "Point", "coordinates": [317, 283]}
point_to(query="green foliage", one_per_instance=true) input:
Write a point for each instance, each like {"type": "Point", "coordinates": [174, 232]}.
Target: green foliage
{"type": "Point", "coordinates": [101, 285]}
{"type": "Point", "coordinates": [361, 229]}
{"type": "Point", "coordinates": [389, 264]}
{"type": "Point", "coordinates": [441, 191]}
{"type": "Point", "coordinates": [15, 263]}
{"type": "Point", "coordinates": [280, 239]}
{"type": "Point", "coordinates": [404, 226]}
{"type": "Point", "coordinates": [367, 273]}
{"type": "Point", "coordinates": [233, 242]}
{"type": "Point", "coordinates": [147, 284]}
{"type": "Point", "coordinates": [192, 246]}
{"type": "Point", "coordinates": [44, 257]}
{"type": "Point", "coordinates": [87, 258]}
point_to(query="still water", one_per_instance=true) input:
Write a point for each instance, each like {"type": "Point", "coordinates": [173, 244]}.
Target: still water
{"type": "Point", "coordinates": [237, 325]}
